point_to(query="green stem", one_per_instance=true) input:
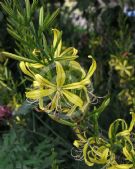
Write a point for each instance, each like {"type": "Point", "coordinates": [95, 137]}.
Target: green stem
{"type": "Point", "coordinates": [96, 127]}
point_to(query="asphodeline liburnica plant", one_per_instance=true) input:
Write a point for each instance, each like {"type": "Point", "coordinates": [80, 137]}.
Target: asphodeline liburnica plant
{"type": "Point", "coordinates": [60, 88]}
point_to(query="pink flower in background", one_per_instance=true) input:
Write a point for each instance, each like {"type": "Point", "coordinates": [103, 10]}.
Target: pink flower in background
{"type": "Point", "coordinates": [5, 112]}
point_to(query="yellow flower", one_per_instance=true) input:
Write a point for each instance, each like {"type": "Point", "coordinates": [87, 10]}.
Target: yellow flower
{"type": "Point", "coordinates": [127, 96]}
{"type": "Point", "coordinates": [124, 68]}
{"type": "Point", "coordinates": [59, 89]}
{"type": "Point", "coordinates": [119, 128]}
{"type": "Point", "coordinates": [99, 151]}
{"type": "Point", "coordinates": [128, 149]}
{"type": "Point", "coordinates": [63, 91]}
{"type": "Point", "coordinates": [57, 51]}
{"type": "Point", "coordinates": [53, 53]}
{"type": "Point", "coordinates": [60, 54]}
{"type": "Point", "coordinates": [95, 151]}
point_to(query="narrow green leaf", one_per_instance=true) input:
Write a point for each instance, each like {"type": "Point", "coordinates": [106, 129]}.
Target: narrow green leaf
{"type": "Point", "coordinates": [16, 57]}
{"type": "Point", "coordinates": [51, 19]}
{"type": "Point", "coordinates": [7, 9]}
{"type": "Point", "coordinates": [41, 17]}
{"type": "Point", "coordinates": [16, 36]}
{"type": "Point", "coordinates": [5, 85]}
{"type": "Point", "coordinates": [46, 49]}
{"type": "Point", "coordinates": [28, 11]}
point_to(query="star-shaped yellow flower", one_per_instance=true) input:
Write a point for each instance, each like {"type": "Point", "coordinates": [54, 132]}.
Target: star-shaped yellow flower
{"type": "Point", "coordinates": [44, 87]}
{"type": "Point", "coordinates": [124, 68]}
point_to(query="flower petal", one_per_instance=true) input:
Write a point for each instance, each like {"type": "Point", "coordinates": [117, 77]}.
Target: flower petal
{"type": "Point", "coordinates": [77, 85]}
{"type": "Point", "coordinates": [25, 69]}
{"type": "Point", "coordinates": [73, 98]}
{"type": "Point", "coordinates": [113, 129]}
{"type": "Point", "coordinates": [65, 58]}
{"type": "Point", "coordinates": [55, 42]}
{"type": "Point", "coordinates": [41, 103]}
{"type": "Point", "coordinates": [44, 82]}
{"type": "Point", "coordinates": [37, 94]}
{"type": "Point", "coordinates": [69, 52]}
{"type": "Point", "coordinates": [55, 101]}
{"type": "Point", "coordinates": [77, 66]}
{"type": "Point", "coordinates": [127, 154]}
{"type": "Point", "coordinates": [36, 65]}
{"type": "Point", "coordinates": [85, 155]}
{"type": "Point", "coordinates": [132, 124]}
{"type": "Point", "coordinates": [60, 79]}
{"type": "Point", "coordinates": [92, 68]}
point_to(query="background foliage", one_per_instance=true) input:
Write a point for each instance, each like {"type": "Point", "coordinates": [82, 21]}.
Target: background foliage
{"type": "Point", "coordinates": [100, 28]}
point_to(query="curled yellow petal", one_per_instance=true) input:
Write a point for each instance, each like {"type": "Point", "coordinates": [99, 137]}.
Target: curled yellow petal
{"type": "Point", "coordinates": [105, 154]}
{"type": "Point", "coordinates": [57, 34]}
{"type": "Point", "coordinates": [80, 136]}
{"type": "Point", "coordinates": [123, 133]}
{"type": "Point", "coordinates": [112, 129]}
{"type": "Point", "coordinates": [132, 124]}
{"type": "Point", "coordinates": [85, 155]}
{"type": "Point", "coordinates": [77, 66]}
{"type": "Point", "coordinates": [66, 58]}
{"type": "Point", "coordinates": [86, 80]}
{"type": "Point", "coordinates": [127, 154]}
{"type": "Point", "coordinates": [25, 69]}
{"type": "Point", "coordinates": [98, 155]}
{"type": "Point", "coordinates": [69, 52]}
{"type": "Point", "coordinates": [92, 68]}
